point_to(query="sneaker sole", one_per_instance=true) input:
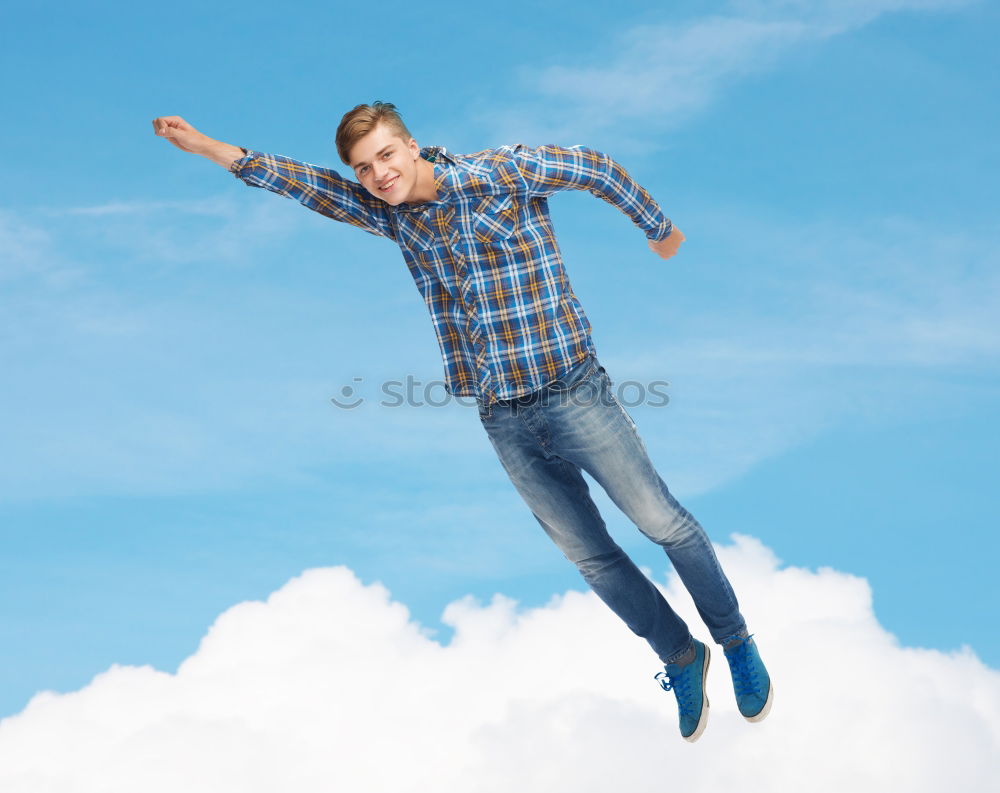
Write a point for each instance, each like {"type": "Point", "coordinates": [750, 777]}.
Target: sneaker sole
{"type": "Point", "coordinates": [703, 721]}
{"type": "Point", "coordinates": [767, 705]}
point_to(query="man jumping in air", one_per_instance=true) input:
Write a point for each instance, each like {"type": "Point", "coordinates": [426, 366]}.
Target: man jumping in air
{"type": "Point", "coordinates": [476, 235]}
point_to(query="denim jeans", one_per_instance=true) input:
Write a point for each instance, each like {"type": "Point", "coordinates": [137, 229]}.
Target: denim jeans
{"type": "Point", "coordinates": [543, 441]}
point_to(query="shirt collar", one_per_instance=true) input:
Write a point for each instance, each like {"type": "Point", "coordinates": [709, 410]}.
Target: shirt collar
{"type": "Point", "coordinates": [434, 153]}
{"type": "Point", "coordinates": [441, 159]}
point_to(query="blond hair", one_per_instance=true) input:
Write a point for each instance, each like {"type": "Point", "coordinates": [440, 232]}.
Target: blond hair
{"type": "Point", "coordinates": [363, 119]}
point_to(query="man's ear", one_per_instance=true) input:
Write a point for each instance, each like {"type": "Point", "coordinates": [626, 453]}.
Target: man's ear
{"type": "Point", "coordinates": [414, 148]}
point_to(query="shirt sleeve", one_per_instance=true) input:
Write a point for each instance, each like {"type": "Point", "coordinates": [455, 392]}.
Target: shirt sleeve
{"type": "Point", "coordinates": [546, 169]}
{"type": "Point", "coordinates": [320, 189]}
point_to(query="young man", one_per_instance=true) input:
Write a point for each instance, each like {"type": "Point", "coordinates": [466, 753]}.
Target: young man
{"type": "Point", "coordinates": [475, 233]}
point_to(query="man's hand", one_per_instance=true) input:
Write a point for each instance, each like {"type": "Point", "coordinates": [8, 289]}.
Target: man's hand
{"type": "Point", "coordinates": [668, 246]}
{"type": "Point", "coordinates": [180, 133]}
{"type": "Point", "coordinates": [187, 138]}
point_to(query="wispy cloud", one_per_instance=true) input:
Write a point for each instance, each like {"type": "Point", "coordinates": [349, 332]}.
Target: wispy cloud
{"type": "Point", "coordinates": [212, 207]}
{"type": "Point", "coordinates": [875, 321]}
{"type": "Point", "coordinates": [28, 253]}
{"type": "Point", "coordinates": [215, 229]}
{"type": "Point", "coordinates": [651, 78]}
{"type": "Point", "coordinates": [147, 353]}
{"type": "Point", "coordinates": [829, 17]}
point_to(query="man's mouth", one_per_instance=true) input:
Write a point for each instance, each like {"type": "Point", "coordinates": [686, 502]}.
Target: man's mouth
{"type": "Point", "coordinates": [388, 185]}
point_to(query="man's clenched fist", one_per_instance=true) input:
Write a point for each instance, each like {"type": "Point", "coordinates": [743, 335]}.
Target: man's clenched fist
{"type": "Point", "coordinates": [667, 247]}
{"type": "Point", "coordinates": [180, 133]}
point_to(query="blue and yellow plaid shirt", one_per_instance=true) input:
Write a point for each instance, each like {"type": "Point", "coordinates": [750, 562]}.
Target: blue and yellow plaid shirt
{"type": "Point", "coordinates": [484, 254]}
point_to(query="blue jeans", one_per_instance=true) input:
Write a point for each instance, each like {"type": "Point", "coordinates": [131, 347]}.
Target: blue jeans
{"type": "Point", "coordinates": [543, 441]}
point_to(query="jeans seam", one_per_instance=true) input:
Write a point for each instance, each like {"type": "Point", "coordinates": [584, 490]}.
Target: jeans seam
{"type": "Point", "coordinates": [681, 653]}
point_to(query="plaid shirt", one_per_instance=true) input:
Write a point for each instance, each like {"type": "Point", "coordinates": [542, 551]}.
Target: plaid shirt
{"type": "Point", "coordinates": [484, 254]}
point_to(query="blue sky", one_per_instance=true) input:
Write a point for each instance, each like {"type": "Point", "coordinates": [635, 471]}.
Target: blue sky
{"type": "Point", "coordinates": [170, 339]}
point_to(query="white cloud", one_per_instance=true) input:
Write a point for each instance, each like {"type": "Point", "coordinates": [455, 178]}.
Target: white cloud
{"type": "Point", "coordinates": [330, 685]}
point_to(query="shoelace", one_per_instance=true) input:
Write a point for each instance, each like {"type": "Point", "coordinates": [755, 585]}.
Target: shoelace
{"type": "Point", "coordinates": [744, 673]}
{"type": "Point", "coordinates": [682, 687]}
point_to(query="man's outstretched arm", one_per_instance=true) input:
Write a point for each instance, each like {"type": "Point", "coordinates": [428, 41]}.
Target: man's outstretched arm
{"type": "Point", "coordinates": [320, 189]}
{"type": "Point", "coordinates": [546, 169]}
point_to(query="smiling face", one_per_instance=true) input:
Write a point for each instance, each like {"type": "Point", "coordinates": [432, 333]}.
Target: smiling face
{"type": "Point", "coordinates": [382, 159]}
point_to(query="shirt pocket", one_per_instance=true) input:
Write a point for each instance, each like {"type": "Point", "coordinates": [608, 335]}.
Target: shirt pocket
{"type": "Point", "coordinates": [415, 231]}
{"type": "Point", "coordinates": [494, 218]}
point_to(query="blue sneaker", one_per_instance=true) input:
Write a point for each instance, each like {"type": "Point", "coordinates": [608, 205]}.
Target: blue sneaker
{"type": "Point", "coordinates": [752, 684]}
{"type": "Point", "coordinates": [688, 684]}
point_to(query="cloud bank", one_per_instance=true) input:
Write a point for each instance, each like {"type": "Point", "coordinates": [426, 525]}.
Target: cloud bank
{"type": "Point", "coordinates": [330, 685]}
